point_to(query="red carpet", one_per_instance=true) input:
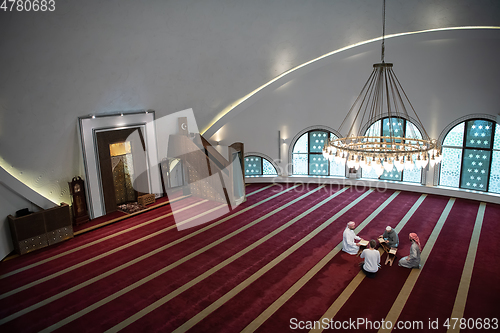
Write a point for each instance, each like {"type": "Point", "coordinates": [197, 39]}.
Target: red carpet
{"type": "Point", "coordinates": [143, 271]}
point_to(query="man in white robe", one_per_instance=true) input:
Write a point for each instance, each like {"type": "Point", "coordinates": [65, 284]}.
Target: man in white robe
{"type": "Point", "coordinates": [348, 241]}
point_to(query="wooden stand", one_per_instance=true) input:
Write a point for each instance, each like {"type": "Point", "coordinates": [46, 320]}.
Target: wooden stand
{"type": "Point", "coordinates": [391, 255]}
{"type": "Point", "coordinates": [362, 245]}
{"type": "Point", "coordinates": [383, 243]}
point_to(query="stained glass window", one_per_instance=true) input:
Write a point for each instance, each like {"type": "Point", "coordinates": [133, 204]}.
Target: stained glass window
{"type": "Point", "coordinates": [471, 157]}
{"type": "Point", "coordinates": [258, 166]}
{"type": "Point", "coordinates": [394, 174]}
{"type": "Point", "coordinates": [475, 169]}
{"type": "Point", "coordinates": [495, 171]}
{"type": "Point", "coordinates": [253, 165]}
{"type": "Point", "coordinates": [397, 127]}
{"type": "Point", "coordinates": [450, 167]}
{"type": "Point", "coordinates": [268, 169]}
{"type": "Point", "coordinates": [318, 165]}
{"type": "Point", "coordinates": [479, 134]}
{"type": "Point", "coordinates": [455, 137]}
{"type": "Point", "coordinates": [496, 140]}
{"type": "Point", "coordinates": [307, 156]}
{"type": "Point", "coordinates": [412, 176]}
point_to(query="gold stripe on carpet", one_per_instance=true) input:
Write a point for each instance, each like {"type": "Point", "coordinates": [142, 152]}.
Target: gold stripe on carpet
{"type": "Point", "coordinates": [147, 210]}
{"type": "Point", "coordinates": [100, 240]}
{"type": "Point", "coordinates": [404, 294]}
{"type": "Point", "coordinates": [180, 261]}
{"type": "Point", "coordinates": [344, 296]}
{"type": "Point", "coordinates": [60, 255]}
{"type": "Point", "coordinates": [130, 263]}
{"type": "Point", "coordinates": [100, 256]}
{"type": "Point", "coordinates": [257, 322]}
{"type": "Point", "coordinates": [222, 300]}
{"type": "Point", "coordinates": [125, 217]}
{"type": "Point", "coordinates": [463, 288]}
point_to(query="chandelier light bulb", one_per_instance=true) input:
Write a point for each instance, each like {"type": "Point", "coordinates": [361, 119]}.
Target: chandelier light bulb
{"type": "Point", "coordinates": [418, 162]}
{"type": "Point", "coordinates": [388, 165]}
{"type": "Point", "coordinates": [400, 165]}
{"type": "Point", "coordinates": [379, 169]}
{"type": "Point", "coordinates": [425, 161]}
{"type": "Point", "coordinates": [362, 162]}
{"type": "Point", "coordinates": [368, 166]}
{"type": "Point", "coordinates": [432, 161]}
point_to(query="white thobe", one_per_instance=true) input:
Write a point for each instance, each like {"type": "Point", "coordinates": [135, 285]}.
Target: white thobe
{"type": "Point", "coordinates": [348, 244]}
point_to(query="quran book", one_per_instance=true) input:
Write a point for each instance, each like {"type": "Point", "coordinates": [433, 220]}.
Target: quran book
{"type": "Point", "coordinates": [363, 242]}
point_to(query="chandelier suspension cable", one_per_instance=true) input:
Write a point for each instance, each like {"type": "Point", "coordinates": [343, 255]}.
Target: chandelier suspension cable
{"type": "Point", "coordinates": [364, 102]}
{"type": "Point", "coordinates": [399, 143]}
{"type": "Point", "coordinates": [411, 105]}
{"type": "Point", "coordinates": [383, 32]}
{"type": "Point", "coordinates": [355, 103]}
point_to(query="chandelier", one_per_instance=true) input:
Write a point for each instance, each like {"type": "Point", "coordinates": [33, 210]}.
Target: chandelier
{"type": "Point", "coordinates": [397, 146]}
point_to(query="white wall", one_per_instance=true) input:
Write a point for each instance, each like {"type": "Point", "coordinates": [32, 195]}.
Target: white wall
{"type": "Point", "coordinates": [99, 57]}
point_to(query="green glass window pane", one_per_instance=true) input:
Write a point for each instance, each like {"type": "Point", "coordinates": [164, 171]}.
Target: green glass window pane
{"type": "Point", "coordinates": [301, 145]}
{"type": "Point", "coordinates": [394, 174]}
{"type": "Point", "coordinates": [337, 169]}
{"type": "Point", "coordinates": [253, 165]}
{"type": "Point", "coordinates": [299, 164]}
{"type": "Point", "coordinates": [475, 170]}
{"type": "Point", "coordinates": [479, 134]}
{"type": "Point", "coordinates": [455, 137]}
{"type": "Point", "coordinates": [318, 165]}
{"type": "Point", "coordinates": [317, 140]}
{"type": "Point", "coordinates": [393, 127]}
{"type": "Point", "coordinates": [496, 142]}
{"type": "Point", "coordinates": [495, 173]}
{"type": "Point", "coordinates": [450, 167]}
{"type": "Point", "coordinates": [333, 136]}
{"type": "Point", "coordinates": [268, 168]}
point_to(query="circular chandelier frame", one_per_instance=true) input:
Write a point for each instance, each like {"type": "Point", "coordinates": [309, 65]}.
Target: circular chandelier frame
{"type": "Point", "coordinates": [373, 146]}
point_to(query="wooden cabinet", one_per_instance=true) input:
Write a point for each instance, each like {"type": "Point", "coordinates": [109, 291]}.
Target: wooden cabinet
{"type": "Point", "coordinates": [41, 229]}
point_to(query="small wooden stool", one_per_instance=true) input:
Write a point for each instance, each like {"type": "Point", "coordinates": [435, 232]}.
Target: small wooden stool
{"type": "Point", "coordinates": [383, 243]}
{"type": "Point", "coordinates": [362, 245]}
{"type": "Point", "coordinates": [391, 255]}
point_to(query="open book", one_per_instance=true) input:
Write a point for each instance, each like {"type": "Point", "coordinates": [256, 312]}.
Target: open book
{"type": "Point", "coordinates": [363, 242]}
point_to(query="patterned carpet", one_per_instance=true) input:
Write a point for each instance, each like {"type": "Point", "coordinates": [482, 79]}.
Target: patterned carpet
{"type": "Point", "coordinates": [273, 264]}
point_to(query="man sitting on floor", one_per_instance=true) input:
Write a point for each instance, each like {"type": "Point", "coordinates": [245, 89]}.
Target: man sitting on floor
{"type": "Point", "coordinates": [348, 241]}
{"type": "Point", "coordinates": [391, 237]}
{"type": "Point", "coordinates": [372, 259]}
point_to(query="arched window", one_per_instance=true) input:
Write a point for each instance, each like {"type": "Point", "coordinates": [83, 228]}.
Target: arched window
{"type": "Point", "coordinates": [400, 127]}
{"type": "Point", "coordinates": [307, 155]}
{"type": "Point", "coordinates": [259, 166]}
{"type": "Point", "coordinates": [471, 156]}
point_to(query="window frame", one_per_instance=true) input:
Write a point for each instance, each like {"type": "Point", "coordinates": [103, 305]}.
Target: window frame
{"type": "Point", "coordinates": [404, 127]}
{"type": "Point", "coordinates": [262, 158]}
{"type": "Point", "coordinates": [463, 147]}
{"type": "Point", "coordinates": [307, 132]}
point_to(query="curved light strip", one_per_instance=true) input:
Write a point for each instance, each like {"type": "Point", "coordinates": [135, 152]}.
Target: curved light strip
{"type": "Point", "coordinates": [24, 180]}
{"type": "Point", "coordinates": [246, 97]}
